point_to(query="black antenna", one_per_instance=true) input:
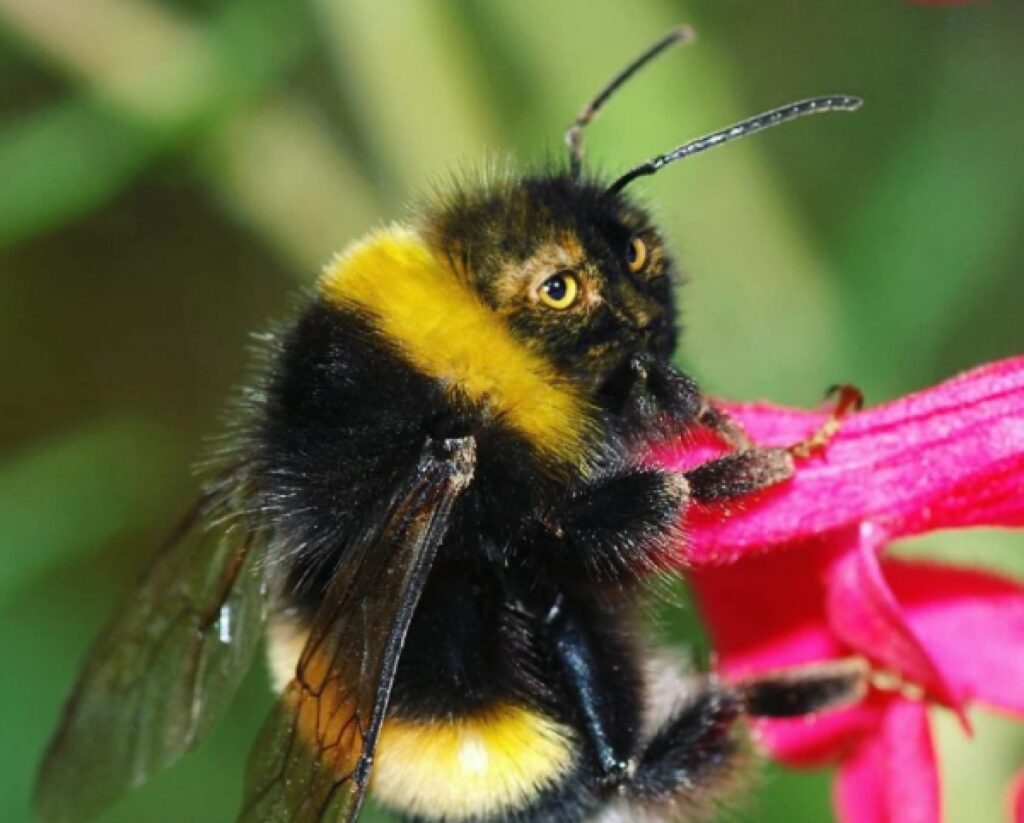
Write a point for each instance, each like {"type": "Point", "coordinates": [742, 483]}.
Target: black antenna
{"type": "Point", "coordinates": [775, 117]}
{"type": "Point", "coordinates": [574, 134]}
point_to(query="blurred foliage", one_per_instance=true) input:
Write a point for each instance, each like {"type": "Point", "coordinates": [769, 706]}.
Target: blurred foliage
{"type": "Point", "coordinates": [171, 172]}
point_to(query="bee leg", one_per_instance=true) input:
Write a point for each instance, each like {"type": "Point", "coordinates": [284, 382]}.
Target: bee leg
{"type": "Point", "coordinates": [619, 524]}
{"type": "Point", "coordinates": [718, 421]}
{"type": "Point", "coordinates": [739, 473]}
{"type": "Point", "coordinates": [697, 751]}
{"type": "Point", "coordinates": [801, 690]}
{"type": "Point", "coordinates": [592, 679]}
{"type": "Point", "coordinates": [847, 399]}
{"type": "Point", "coordinates": [747, 468]}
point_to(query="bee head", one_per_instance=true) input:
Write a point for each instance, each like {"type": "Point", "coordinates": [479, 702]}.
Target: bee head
{"type": "Point", "coordinates": [573, 267]}
{"type": "Point", "coordinates": [577, 273]}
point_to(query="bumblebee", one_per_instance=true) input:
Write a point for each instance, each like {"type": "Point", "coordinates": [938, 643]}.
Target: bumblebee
{"type": "Point", "coordinates": [433, 506]}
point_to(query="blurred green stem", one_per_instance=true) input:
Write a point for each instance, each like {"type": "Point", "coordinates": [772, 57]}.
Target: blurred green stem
{"type": "Point", "coordinates": [59, 163]}
{"type": "Point", "coordinates": [275, 165]}
{"type": "Point", "coordinates": [434, 86]}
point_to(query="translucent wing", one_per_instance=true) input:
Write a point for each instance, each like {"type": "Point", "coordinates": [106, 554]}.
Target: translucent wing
{"type": "Point", "coordinates": [312, 761]}
{"type": "Point", "coordinates": [164, 669]}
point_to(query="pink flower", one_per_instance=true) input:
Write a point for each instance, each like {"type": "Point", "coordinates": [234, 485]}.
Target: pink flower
{"type": "Point", "coordinates": [798, 574]}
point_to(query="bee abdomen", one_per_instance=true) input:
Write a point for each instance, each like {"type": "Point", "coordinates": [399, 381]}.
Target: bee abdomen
{"type": "Point", "coordinates": [478, 766]}
{"type": "Point", "coordinates": [486, 763]}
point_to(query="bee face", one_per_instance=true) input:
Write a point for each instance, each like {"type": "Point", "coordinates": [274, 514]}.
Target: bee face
{"type": "Point", "coordinates": [576, 273]}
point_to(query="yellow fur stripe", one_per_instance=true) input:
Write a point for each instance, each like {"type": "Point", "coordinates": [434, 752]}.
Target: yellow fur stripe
{"type": "Point", "coordinates": [461, 767]}
{"type": "Point", "coordinates": [447, 332]}
{"type": "Point", "coordinates": [472, 766]}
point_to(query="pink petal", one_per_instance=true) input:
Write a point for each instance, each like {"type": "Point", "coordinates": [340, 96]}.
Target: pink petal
{"type": "Point", "coordinates": [892, 778]}
{"type": "Point", "coordinates": [971, 622]}
{"type": "Point", "coordinates": [859, 793]}
{"type": "Point", "coordinates": [949, 456]}
{"type": "Point", "coordinates": [768, 612]}
{"type": "Point", "coordinates": [818, 739]}
{"type": "Point", "coordinates": [865, 614]}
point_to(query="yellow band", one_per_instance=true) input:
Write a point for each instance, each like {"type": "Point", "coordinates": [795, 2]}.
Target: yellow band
{"type": "Point", "coordinates": [447, 332]}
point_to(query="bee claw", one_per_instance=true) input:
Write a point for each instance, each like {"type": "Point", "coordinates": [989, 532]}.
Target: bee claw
{"type": "Point", "coordinates": [847, 400]}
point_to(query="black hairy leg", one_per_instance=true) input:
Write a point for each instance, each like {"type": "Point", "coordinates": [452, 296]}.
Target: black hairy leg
{"type": "Point", "coordinates": [697, 743]}
{"type": "Point", "coordinates": [617, 525]}
{"type": "Point", "coordinates": [745, 469]}
{"type": "Point", "coordinates": [731, 433]}
{"type": "Point", "coordinates": [739, 473]}
{"type": "Point", "coordinates": [697, 750]}
{"type": "Point", "coordinates": [804, 689]}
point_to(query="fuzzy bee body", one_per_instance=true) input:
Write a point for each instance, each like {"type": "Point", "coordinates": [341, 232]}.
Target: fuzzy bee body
{"type": "Point", "coordinates": [479, 725]}
{"type": "Point", "coordinates": [434, 502]}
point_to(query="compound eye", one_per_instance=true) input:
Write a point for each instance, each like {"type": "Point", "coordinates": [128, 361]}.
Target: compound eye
{"type": "Point", "coordinates": [636, 254]}
{"type": "Point", "coordinates": [560, 290]}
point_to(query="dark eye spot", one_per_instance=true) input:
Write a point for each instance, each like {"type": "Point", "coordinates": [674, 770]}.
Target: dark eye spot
{"type": "Point", "coordinates": [556, 288]}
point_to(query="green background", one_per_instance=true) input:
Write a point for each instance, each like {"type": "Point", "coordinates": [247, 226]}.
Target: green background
{"type": "Point", "coordinates": [171, 173]}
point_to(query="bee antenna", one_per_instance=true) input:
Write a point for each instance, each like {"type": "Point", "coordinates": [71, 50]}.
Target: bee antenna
{"type": "Point", "coordinates": [574, 134]}
{"type": "Point", "coordinates": [760, 122]}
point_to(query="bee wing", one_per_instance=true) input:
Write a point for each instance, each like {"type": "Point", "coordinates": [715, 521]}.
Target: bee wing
{"type": "Point", "coordinates": [312, 761]}
{"type": "Point", "coordinates": [164, 669]}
